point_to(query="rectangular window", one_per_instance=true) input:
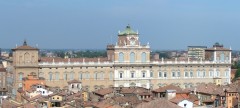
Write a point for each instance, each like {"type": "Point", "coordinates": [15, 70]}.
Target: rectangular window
{"type": "Point", "coordinates": [159, 74]}
{"type": "Point", "coordinates": [186, 74]}
{"type": "Point", "coordinates": [204, 74]}
{"type": "Point", "coordinates": [132, 75]}
{"type": "Point", "coordinates": [57, 76]}
{"type": "Point", "coordinates": [50, 76]}
{"type": "Point", "coordinates": [179, 74]}
{"type": "Point", "coordinates": [218, 73]}
{"type": "Point", "coordinates": [65, 76]}
{"type": "Point", "coordinates": [111, 76]}
{"type": "Point", "coordinates": [102, 77]}
{"type": "Point", "coordinates": [71, 76]}
{"type": "Point", "coordinates": [151, 74]}
{"type": "Point", "coordinates": [173, 74]}
{"type": "Point", "coordinates": [226, 74]}
{"type": "Point", "coordinates": [120, 75]}
{"type": "Point", "coordinates": [165, 74]}
{"type": "Point", "coordinates": [95, 76]}
{"type": "Point", "coordinates": [143, 74]}
{"type": "Point", "coordinates": [87, 75]}
{"type": "Point", "coordinates": [210, 74]}
{"type": "Point", "coordinates": [20, 76]}
{"type": "Point", "coordinates": [80, 76]}
{"type": "Point", "coordinates": [191, 74]}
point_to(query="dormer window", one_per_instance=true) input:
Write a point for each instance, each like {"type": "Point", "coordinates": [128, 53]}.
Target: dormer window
{"type": "Point", "coordinates": [72, 85]}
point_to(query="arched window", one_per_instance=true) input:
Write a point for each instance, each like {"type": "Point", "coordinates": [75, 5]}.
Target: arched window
{"type": "Point", "coordinates": [87, 75]}
{"type": "Point", "coordinates": [50, 76]}
{"type": "Point", "coordinates": [41, 74]}
{"type": "Point", "coordinates": [95, 75]}
{"type": "Point", "coordinates": [132, 74]}
{"type": "Point", "coordinates": [71, 75]}
{"type": "Point", "coordinates": [211, 72]}
{"type": "Point", "coordinates": [57, 76]}
{"type": "Point", "coordinates": [121, 57]}
{"type": "Point", "coordinates": [222, 57]}
{"type": "Point", "coordinates": [143, 74]}
{"type": "Point", "coordinates": [132, 84]}
{"type": "Point", "coordinates": [144, 57]}
{"type": "Point", "coordinates": [80, 76]}
{"type": "Point", "coordinates": [111, 76]}
{"type": "Point", "coordinates": [20, 76]}
{"type": "Point", "coordinates": [65, 76]}
{"type": "Point", "coordinates": [132, 57]}
{"type": "Point", "coordinates": [102, 75]}
{"type": "Point", "coordinates": [27, 57]}
{"type": "Point", "coordinates": [151, 73]}
{"type": "Point", "coordinates": [121, 75]}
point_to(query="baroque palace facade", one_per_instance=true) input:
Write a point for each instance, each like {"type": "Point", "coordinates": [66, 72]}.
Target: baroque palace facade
{"type": "Point", "coordinates": [128, 64]}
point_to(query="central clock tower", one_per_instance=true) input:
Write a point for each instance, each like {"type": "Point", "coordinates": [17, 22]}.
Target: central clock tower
{"type": "Point", "coordinates": [128, 37]}
{"type": "Point", "coordinates": [128, 48]}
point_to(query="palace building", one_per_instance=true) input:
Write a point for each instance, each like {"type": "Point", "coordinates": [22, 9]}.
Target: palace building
{"type": "Point", "coordinates": [127, 64]}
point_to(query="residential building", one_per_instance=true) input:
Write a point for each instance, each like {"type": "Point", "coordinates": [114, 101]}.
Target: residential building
{"type": "Point", "coordinates": [196, 52]}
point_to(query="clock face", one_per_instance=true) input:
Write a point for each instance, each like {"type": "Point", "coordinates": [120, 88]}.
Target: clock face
{"type": "Point", "coordinates": [132, 41]}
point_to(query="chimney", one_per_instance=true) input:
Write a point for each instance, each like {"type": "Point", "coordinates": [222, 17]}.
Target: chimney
{"type": "Point", "coordinates": [156, 56]}
{"type": "Point", "coordinates": [170, 94]}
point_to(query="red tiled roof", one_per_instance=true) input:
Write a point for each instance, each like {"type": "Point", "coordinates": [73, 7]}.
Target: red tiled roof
{"type": "Point", "coordinates": [135, 90]}
{"type": "Point", "coordinates": [3, 70]}
{"type": "Point", "coordinates": [104, 91]}
{"type": "Point", "coordinates": [25, 47]}
{"type": "Point", "coordinates": [74, 81]}
{"type": "Point", "coordinates": [158, 103]}
{"type": "Point", "coordinates": [169, 87]}
{"type": "Point", "coordinates": [127, 99]}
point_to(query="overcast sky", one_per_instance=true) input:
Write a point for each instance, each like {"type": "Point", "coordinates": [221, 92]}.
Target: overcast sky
{"type": "Point", "coordinates": [92, 24]}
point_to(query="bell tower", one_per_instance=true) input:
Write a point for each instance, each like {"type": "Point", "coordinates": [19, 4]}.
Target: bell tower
{"type": "Point", "coordinates": [25, 62]}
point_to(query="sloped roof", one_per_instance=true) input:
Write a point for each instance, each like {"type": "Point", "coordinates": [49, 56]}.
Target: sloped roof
{"type": "Point", "coordinates": [134, 90]}
{"type": "Point", "coordinates": [74, 81]}
{"type": "Point", "coordinates": [158, 103]}
{"type": "Point", "coordinates": [104, 91]}
{"type": "Point", "coordinates": [169, 87]}
{"type": "Point", "coordinates": [25, 47]}
{"type": "Point", "coordinates": [3, 70]}
{"type": "Point", "coordinates": [128, 31]}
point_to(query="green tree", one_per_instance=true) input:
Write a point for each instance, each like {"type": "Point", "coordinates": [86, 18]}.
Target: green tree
{"type": "Point", "coordinates": [237, 74]}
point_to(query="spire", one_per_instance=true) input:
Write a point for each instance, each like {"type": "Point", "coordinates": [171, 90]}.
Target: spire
{"type": "Point", "coordinates": [25, 42]}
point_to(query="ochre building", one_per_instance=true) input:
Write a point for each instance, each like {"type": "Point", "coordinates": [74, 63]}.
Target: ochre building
{"type": "Point", "coordinates": [127, 64]}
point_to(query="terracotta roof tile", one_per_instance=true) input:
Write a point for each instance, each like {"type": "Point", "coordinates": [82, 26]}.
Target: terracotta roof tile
{"type": "Point", "coordinates": [169, 87]}
{"type": "Point", "coordinates": [157, 103]}
{"type": "Point", "coordinates": [25, 47]}
{"type": "Point", "coordinates": [104, 91]}
{"type": "Point", "coordinates": [134, 90]}
{"type": "Point", "coordinates": [3, 70]}
{"type": "Point", "coordinates": [74, 81]}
